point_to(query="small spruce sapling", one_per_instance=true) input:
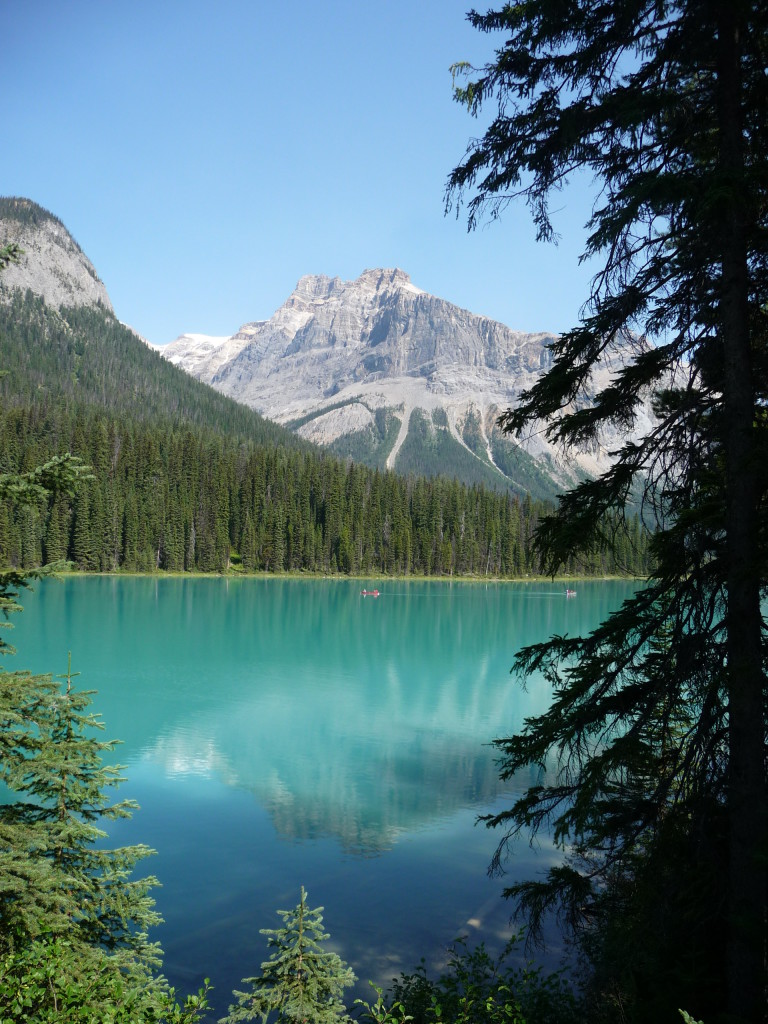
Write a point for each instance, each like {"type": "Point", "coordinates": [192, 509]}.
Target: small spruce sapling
{"type": "Point", "coordinates": [300, 981]}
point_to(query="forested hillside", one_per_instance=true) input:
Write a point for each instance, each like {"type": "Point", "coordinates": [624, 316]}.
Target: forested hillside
{"type": "Point", "coordinates": [85, 356]}
{"type": "Point", "coordinates": [185, 479]}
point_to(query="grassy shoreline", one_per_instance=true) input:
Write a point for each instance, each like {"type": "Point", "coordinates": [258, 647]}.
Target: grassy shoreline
{"type": "Point", "coordinates": [234, 574]}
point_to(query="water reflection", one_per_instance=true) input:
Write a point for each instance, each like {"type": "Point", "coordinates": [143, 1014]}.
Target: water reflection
{"type": "Point", "coordinates": [286, 732]}
{"type": "Point", "coordinates": [350, 717]}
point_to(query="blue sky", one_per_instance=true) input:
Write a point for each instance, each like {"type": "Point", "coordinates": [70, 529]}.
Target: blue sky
{"type": "Point", "coordinates": [207, 156]}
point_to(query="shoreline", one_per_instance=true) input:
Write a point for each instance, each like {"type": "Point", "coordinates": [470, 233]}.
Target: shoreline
{"type": "Point", "coordinates": [340, 577]}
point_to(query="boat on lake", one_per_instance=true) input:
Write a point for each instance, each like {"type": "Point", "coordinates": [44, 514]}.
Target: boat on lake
{"type": "Point", "coordinates": [369, 593]}
{"type": "Point", "coordinates": [569, 592]}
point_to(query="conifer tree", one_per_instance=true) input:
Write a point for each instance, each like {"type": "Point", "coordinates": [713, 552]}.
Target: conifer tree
{"type": "Point", "coordinates": [300, 982]}
{"type": "Point", "coordinates": [57, 883]}
{"type": "Point", "coordinates": [56, 770]}
{"type": "Point", "coordinates": [57, 531]}
{"type": "Point", "coordinates": [664, 105]}
{"type": "Point", "coordinates": [73, 941]}
{"type": "Point", "coordinates": [73, 920]}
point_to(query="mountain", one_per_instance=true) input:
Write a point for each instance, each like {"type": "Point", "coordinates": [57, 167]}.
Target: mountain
{"type": "Point", "coordinates": [382, 371]}
{"type": "Point", "coordinates": [52, 265]}
{"type": "Point", "coordinates": [64, 341]}
{"type": "Point", "coordinates": [187, 479]}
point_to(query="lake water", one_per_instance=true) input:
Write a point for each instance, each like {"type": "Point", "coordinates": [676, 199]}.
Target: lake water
{"type": "Point", "coordinates": [280, 733]}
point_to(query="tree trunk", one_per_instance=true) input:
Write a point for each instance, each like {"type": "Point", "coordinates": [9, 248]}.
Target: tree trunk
{"type": "Point", "coordinates": [745, 681]}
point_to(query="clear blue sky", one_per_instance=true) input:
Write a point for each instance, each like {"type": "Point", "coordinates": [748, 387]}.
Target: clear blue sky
{"type": "Point", "coordinates": [205, 156]}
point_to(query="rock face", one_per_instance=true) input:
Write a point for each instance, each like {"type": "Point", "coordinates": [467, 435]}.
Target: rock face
{"type": "Point", "coordinates": [337, 351]}
{"type": "Point", "coordinates": [52, 265]}
{"type": "Point", "coordinates": [332, 335]}
{"type": "Point", "coordinates": [375, 368]}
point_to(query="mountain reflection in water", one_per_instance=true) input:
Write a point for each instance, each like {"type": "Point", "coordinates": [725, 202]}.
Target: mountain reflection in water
{"type": "Point", "coordinates": [287, 732]}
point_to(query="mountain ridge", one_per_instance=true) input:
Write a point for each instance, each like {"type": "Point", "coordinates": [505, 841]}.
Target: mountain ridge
{"type": "Point", "coordinates": [374, 369]}
{"type": "Point", "coordinates": [336, 353]}
{"type": "Point", "coordinates": [60, 338]}
{"type": "Point", "coordinates": [186, 479]}
{"type": "Point", "coordinates": [51, 264]}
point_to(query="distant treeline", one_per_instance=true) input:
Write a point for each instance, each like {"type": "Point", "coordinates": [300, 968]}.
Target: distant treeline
{"type": "Point", "coordinates": [185, 479]}
{"type": "Point", "coordinates": [179, 499]}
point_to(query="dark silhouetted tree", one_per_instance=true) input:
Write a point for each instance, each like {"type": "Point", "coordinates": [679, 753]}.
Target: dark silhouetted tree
{"type": "Point", "coordinates": [656, 734]}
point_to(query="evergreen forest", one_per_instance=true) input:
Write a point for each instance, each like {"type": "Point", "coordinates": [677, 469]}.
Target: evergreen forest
{"type": "Point", "coordinates": [184, 479]}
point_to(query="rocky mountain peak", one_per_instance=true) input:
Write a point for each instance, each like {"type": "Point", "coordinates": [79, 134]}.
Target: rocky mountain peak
{"type": "Point", "coordinates": [378, 368]}
{"type": "Point", "coordinates": [52, 265]}
{"type": "Point", "coordinates": [380, 280]}
{"type": "Point", "coordinates": [318, 288]}
{"type": "Point", "coordinates": [315, 288]}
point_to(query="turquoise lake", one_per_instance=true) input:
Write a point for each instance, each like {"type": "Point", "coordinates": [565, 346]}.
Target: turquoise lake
{"type": "Point", "coordinates": [280, 733]}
